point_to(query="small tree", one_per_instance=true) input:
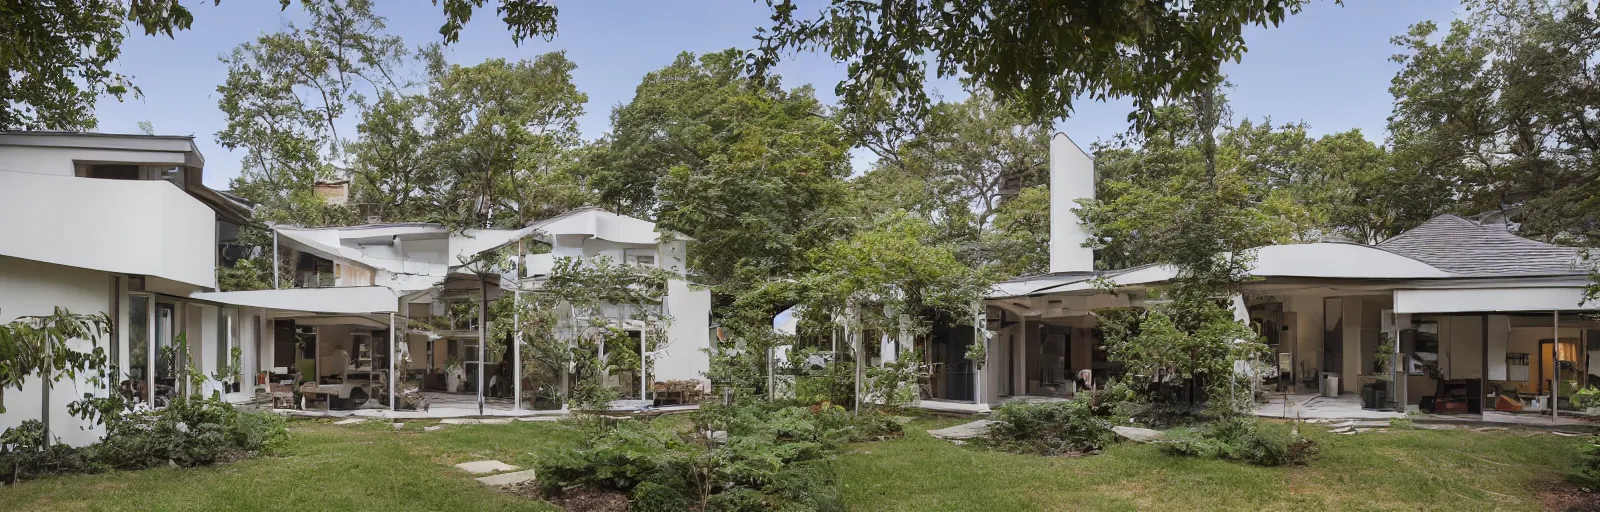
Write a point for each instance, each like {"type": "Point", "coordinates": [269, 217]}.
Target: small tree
{"type": "Point", "coordinates": [587, 288]}
{"type": "Point", "coordinates": [40, 346]}
{"type": "Point", "coordinates": [898, 267]}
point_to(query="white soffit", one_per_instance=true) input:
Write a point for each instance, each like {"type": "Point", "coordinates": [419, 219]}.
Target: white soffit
{"type": "Point", "coordinates": [1337, 260]}
{"type": "Point", "coordinates": [1469, 300]}
{"type": "Point", "coordinates": [1025, 286]}
{"type": "Point", "coordinates": [353, 300]}
{"type": "Point", "coordinates": [1146, 275]}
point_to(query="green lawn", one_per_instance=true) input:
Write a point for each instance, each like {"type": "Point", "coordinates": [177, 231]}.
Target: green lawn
{"type": "Point", "coordinates": [369, 467]}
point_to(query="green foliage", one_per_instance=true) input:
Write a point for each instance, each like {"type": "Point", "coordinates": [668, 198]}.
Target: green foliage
{"type": "Point", "coordinates": [1019, 243]}
{"type": "Point", "coordinates": [1589, 461]}
{"type": "Point", "coordinates": [1184, 200]}
{"type": "Point", "coordinates": [191, 431]}
{"type": "Point", "coordinates": [897, 264]}
{"type": "Point", "coordinates": [59, 55]}
{"type": "Point", "coordinates": [1499, 107]}
{"type": "Point", "coordinates": [1050, 428]}
{"type": "Point", "coordinates": [502, 142]}
{"type": "Point", "coordinates": [958, 168]}
{"type": "Point", "coordinates": [1247, 440]}
{"type": "Point", "coordinates": [1586, 398]}
{"type": "Point", "coordinates": [748, 169]}
{"type": "Point", "coordinates": [39, 347]}
{"type": "Point", "coordinates": [771, 458]}
{"type": "Point", "coordinates": [894, 384]}
{"type": "Point", "coordinates": [26, 452]}
{"type": "Point", "coordinates": [1040, 56]}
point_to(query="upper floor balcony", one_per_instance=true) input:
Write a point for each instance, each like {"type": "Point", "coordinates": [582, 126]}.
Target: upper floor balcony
{"type": "Point", "coordinates": [146, 227]}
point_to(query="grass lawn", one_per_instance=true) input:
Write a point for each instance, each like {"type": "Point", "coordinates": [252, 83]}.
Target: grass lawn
{"type": "Point", "coordinates": [370, 467]}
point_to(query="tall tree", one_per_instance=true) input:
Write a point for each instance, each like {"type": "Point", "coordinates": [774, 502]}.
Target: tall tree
{"type": "Point", "coordinates": [506, 134]}
{"type": "Point", "coordinates": [753, 172]}
{"type": "Point", "coordinates": [56, 57]}
{"type": "Point", "coordinates": [1504, 108]}
{"type": "Point", "coordinates": [285, 95]}
{"type": "Point", "coordinates": [1194, 208]}
{"type": "Point", "coordinates": [1039, 55]}
{"type": "Point", "coordinates": [956, 167]}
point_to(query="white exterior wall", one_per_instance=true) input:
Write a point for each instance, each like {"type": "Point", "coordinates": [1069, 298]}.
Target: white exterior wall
{"type": "Point", "coordinates": [131, 227]}
{"type": "Point", "coordinates": [685, 356]}
{"type": "Point", "coordinates": [1071, 178]}
{"type": "Point", "coordinates": [1499, 338]}
{"type": "Point", "coordinates": [58, 161]}
{"type": "Point", "coordinates": [29, 288]}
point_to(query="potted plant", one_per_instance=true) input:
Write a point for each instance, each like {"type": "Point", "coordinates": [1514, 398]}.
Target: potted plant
{"type": "Point", "coordinates": [453, 374]}
{"type": "Point", "coordinates": [1375, 394]}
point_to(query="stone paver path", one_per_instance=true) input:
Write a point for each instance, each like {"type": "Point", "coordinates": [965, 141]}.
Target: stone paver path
{"type": "Point", "coordinates": [504, 479]}
{"type": "Point", "coordinates": [484, 467]}
{"type": "Point", "coordinates": [962, 431]}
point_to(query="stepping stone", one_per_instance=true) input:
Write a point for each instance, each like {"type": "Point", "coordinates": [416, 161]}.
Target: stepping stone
{"type": "Point", "coordinates": [539, 418]}
{"type": "Point", "coordinates": [1566, 434]}
{"type": "Point", "coordinates": [459, 421]}
{"type": "Point", "coordinates": [433, 428]}
{"type": "Point", "coordinates": [350, 421]}
{"type": "Point", "coordinates": [505, 479]}
{"type": "Point", "coordinates": [1136, 434]}
{"type": "Point", "coordinates": [495, 421]}
{"type": "Point", "coordinates": [484, 467]}
{"type": "Point", "coordinates": [962, 431]}
{"type": "Point", "coordinates": [1343, 430]}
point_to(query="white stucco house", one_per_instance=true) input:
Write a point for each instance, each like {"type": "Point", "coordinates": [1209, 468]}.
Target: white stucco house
{"type": "Point", "coordinates": [120, 225]}
{"type": "Point", "coordinates": [1494, 312]}
{"type": "Point", "coordinates": [123, 225]}
{"type": "Point", "coordinates": [430, 271]}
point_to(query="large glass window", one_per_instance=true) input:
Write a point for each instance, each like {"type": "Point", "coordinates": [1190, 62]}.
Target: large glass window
{"type": "Point", "coordinates": [138, 347]}
{"type": "Point", "coordinates": [166, 370]}
{"type": "Point", "coordinates": [1424, 349]}
{"type": "Point", "coordinates": [227, 342]}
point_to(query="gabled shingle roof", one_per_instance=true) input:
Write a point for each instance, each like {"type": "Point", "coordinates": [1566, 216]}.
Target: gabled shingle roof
{"type": "Point", "coordinates": [1469, 249]}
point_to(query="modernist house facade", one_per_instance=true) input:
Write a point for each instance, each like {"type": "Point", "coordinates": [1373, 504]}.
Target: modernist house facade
{"type": "Point", "coordinates": [1475, 311]}
{"type": "Point", "coordinates": [119, 225]}
{"type": "Point", "coordinates": [1494, 313]}
{"type": "Point", "coordinates": [123, 225]}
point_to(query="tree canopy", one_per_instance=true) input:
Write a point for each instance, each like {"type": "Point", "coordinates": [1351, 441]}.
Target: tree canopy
{"type": "Point", "coordinates": [1041, 56]}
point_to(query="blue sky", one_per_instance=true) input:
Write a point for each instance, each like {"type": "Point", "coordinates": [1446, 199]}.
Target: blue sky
{"type": "Point", "coordinates": [1327, 66]}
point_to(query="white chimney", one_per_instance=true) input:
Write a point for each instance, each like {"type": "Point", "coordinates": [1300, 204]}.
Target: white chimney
{"type": "Point", "coordinates": [1071, 179]}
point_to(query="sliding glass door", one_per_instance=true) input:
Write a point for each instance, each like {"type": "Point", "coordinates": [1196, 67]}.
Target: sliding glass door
{"type": "Point", "coordinates": [140, 381]}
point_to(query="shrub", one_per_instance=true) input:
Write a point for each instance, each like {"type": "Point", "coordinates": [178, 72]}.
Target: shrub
{"type": "Point", "coordinates": [24, 453]}
{"type": "Point", "coordinates": [1589, 461]}
{"type": "Point", "coordinates": [1052, 428]}
{"type": "Point", "coordinates": [771, 459]}
{"type": "Point", "coordinates": [189, 432]}
{"type": "Point", "coordinates": [1246, 440]}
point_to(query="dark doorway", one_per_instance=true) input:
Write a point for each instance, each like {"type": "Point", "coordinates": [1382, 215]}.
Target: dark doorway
{"type": "Point", "coordinates": [1333, 337]}
{"type": "Point", "coordinates": [949, 356]}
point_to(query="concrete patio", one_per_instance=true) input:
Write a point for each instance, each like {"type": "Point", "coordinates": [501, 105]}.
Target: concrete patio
{"type": "Point", "coordinates": [1348, 407]}
{"type": "Point", "coordinates": [462, 405]}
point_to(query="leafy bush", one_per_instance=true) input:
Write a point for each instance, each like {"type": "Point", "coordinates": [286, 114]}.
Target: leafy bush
{"type": "Point", "coordinates": [1246, 440]}
{"type": "Point", "coordinates": [1586, 398]}
{"type": "Point", "coordinates": [188, 432]}
{"type": "Point", "coordinates": [1052, 428]}
{"type": "Point", "coordinates": [24, 453]}
{"type": "Point", "coordinates": [770, 458]}
{"type": "Point", "coordinates": [1589, 461]}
